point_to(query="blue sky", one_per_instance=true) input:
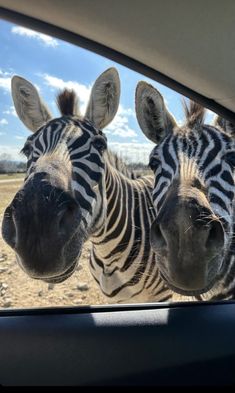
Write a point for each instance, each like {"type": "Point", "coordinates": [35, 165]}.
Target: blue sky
{"type": "Point", "coordinates": [52, 64]}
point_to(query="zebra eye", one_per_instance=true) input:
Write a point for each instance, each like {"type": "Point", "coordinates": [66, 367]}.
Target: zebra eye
{"type": "Point", "coordinates": [100, 143]}
{"type": "Point", "coordinates": [154, 163]}
{"type": "Point", "coordinates": [230, 158]}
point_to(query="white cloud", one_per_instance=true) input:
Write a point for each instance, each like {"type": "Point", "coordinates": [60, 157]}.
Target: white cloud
{"type": "Point", "coordinates": [4, 73]}
{"type": "Point", "coordinates": [20, 137]}
{"type": "Point", "coordinates": [5, 83]}
{"type": "Point", "coordinates": [125, 132]}
{"type": "Point", "coordinates": [3, 122]}
{"type": "Point", "coordinates": [82, 90]}
{"type": "Point", "coordinates": [5, 79]}
{"type": "Point", "coordinates": [210, 112]}
{"type": "Point", "coordinates": [125, 111]}
{"type": "Point", "coordinates": [43, 38]}
{"type": "Point", "coordinates": [210, 116]}
{"type": "Point", "coordinates": [11, 111]}
{"type": "Point", "coordinates": [120, 124]}
{"type": "Point", "coordinates": [132, 152]}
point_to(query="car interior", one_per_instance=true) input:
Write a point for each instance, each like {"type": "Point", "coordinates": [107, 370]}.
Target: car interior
{"type": "Point", "coordinates": [189, 47]}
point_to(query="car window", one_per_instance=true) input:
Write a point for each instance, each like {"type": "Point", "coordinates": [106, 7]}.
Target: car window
{"type": "Point", "coordinates": [51, 65]}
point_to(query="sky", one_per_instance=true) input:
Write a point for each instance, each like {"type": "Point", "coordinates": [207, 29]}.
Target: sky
{"type": "Point", "coordinates": [51, 64]}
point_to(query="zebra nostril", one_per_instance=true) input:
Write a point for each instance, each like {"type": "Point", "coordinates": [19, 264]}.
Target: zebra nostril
{"type": "Point", "coordinates": [157, 238]}
{"type": "Point", "coordinates": [65, 217]}
{"type": "Point", "coordinates": [215, 238]}
{"type": "Point", "coordinates": [9, 227]}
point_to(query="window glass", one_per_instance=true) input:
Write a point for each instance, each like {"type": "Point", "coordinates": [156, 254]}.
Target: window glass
{"type": "Point", "coordinates": [52, 65]}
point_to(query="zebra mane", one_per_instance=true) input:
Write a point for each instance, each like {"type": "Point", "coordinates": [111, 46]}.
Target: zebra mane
{"type": "Point", "coordinates": [194, 113]}
{"type": "Point", "coordinates": [119, 164]}
{"type": "Point", "coordinates": [67, 102]}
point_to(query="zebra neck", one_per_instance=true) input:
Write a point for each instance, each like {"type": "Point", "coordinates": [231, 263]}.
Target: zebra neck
{"type": "Point", "coordinates": [127, 219]}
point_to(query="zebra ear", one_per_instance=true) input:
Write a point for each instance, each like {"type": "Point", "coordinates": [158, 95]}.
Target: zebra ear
{"type": "Point", "coordinates": [104, 100]}
{"type": "Point", "coordinates": [29, 107]}
{"type": "Point", "coordinates": [153, 117]}
{"type": "Point", "coordinates": [226, 125]}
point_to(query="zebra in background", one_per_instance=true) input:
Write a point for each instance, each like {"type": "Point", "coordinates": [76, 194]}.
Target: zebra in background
{"type": "Point", "coordinates": [75, 189]}
{"type": "Point", "coordinates": [193, 195]}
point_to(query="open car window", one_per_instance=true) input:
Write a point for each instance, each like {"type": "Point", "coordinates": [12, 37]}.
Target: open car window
{"type": "Point", "coordinates": [33, 55]}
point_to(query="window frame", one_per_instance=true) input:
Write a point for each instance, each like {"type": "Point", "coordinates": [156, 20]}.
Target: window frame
{"type": "Point", "coordinates": [105, 345]}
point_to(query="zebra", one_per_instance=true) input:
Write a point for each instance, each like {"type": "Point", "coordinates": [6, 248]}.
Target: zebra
{"type": "Point", "coordinates": [76, 189]}
{"type": "Point", "coordinates": [193, 196]}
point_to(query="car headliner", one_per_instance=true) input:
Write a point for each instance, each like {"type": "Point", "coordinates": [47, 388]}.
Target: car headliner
{"type": "Point", "coordinates": [190, 45]}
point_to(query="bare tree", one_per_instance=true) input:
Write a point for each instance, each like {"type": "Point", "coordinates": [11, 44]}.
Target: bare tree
{"type": "Point", "coordinates": [7, 165]}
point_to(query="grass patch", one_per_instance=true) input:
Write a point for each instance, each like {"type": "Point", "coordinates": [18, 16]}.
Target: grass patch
{"type": "Point", "coordinates": [12, 176]}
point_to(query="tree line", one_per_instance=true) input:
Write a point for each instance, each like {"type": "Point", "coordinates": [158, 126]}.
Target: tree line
{"type": "Point", "coordinates": [7, 165]}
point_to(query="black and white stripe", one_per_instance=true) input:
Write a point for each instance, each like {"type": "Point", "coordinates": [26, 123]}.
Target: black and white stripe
{"type": "Point", "coordinates": [116, 209]}
{"type": "Point", "coordinates": [209, 157]}
{"type": "Point", "coordinates": [193, 166]}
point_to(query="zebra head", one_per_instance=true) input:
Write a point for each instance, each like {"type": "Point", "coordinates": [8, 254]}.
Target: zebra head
{"type": "Point", "coordinates": [60, 202]}
{"type": "Point", "coordinates": [193, 193]}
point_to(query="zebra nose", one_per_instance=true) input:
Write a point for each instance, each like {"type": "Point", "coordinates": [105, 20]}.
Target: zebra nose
{"type": "Point", "coordinates": [67, 215]}
{"type": "Point", "coordinates": [207, 234]}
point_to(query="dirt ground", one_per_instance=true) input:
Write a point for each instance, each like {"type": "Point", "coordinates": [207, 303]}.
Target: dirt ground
{"type": "Point", "coordinates": [17, 290]}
